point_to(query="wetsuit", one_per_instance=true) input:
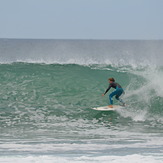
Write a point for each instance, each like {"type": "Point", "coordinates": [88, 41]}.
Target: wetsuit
{"type": "Point", "coordinates": [117, 93]}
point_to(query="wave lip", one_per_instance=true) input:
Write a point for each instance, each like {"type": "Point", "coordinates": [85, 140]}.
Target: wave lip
{"type": "Point", "coordinates": [82, 52]}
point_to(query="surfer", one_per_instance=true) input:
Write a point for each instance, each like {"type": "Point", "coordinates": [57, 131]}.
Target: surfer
{"type": "Point", "coordinates": [117, 93]}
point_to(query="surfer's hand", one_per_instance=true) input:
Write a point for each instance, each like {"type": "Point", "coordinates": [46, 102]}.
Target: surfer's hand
{"type": "Point", "coordinates": [103, 95]}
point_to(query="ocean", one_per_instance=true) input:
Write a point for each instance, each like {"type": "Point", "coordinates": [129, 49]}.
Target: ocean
{"type": "Point", "coordinates": [47, 90]}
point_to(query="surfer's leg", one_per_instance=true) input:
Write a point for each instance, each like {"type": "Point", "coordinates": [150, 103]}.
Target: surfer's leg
{"type": "Point", "coordinates": [111, 100]}
{"type": "Point", "coordinates": [111, 97]}
{"type": "Point", "coordinates": [119, 93]}
{"type": "Point", "coordinates": [120, 100]}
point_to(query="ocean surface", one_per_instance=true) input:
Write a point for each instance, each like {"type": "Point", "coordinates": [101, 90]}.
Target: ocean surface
{"type": "Point", "coordinates": [47, 90]}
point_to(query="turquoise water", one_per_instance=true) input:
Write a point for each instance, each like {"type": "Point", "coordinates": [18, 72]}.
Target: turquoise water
{"type": "Point", "coordinates": [45, 106]}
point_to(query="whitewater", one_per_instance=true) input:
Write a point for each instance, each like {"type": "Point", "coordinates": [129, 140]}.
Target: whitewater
{"type": "Point", "coordinates": [47, 90]}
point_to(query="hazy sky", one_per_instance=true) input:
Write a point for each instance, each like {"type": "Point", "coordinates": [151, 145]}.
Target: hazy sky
{"type": "Point", "coordinates": [81, 19]}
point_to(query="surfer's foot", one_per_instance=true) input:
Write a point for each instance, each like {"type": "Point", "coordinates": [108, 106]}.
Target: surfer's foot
{"type": "Point", "coordinates": [110, 106]}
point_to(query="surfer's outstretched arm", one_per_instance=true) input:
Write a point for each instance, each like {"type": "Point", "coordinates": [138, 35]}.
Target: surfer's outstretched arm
{"type": "Point", "coordinates": [106, 90]}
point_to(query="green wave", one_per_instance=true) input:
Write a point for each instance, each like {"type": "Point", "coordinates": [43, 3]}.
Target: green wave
{"type": "Point", "coordinates": [33, 94]}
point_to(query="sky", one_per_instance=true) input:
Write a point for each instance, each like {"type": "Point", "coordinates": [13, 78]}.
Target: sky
{"type": "Point", "coordinates": [82, 19]}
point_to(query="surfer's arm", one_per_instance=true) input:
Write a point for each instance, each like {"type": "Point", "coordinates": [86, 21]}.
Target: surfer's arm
{"type": "Point", "coordinates": [107, 90]}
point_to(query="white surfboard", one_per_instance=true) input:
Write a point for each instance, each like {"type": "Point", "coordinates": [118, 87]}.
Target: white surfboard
{"type": "Point", "coordinates": [107, 108]}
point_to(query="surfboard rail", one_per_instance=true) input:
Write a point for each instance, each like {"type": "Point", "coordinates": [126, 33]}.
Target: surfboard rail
{"type": "Point", "coordinates": [107, 108]}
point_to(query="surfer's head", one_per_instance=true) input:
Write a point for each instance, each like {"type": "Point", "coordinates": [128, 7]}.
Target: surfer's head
{"type": "Point", "coordinates": [111, 80]}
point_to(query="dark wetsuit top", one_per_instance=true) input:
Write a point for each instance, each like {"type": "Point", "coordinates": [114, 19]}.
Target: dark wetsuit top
{"type": "Point", "coordinates": [113, 85]}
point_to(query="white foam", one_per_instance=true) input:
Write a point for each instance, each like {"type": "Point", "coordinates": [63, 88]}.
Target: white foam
{"type": "Point", "coordinates": [82, 159]}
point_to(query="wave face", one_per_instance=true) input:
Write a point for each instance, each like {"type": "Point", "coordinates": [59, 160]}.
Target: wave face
{"type": "Point", "coordinates": [48, 87]}
{"type": "Point", "coordinates": [63, 90]}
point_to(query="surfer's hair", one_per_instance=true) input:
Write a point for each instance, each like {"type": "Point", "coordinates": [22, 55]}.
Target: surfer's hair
{"type": "Point", "coordinates": [112, 79]}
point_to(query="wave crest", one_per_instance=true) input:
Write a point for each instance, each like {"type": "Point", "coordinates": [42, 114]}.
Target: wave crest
{"type": "Point", "coordinates": [82, 52]}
